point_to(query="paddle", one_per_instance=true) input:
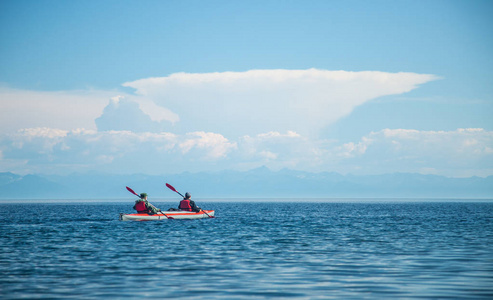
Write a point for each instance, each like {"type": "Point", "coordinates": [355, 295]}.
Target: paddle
{"type": "Point", "coordinates": [174, 190]}
{"type": "Point", "coordinates": [132, 191]}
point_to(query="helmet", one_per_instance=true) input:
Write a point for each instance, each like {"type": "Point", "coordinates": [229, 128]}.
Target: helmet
{"type": "Point", "coordinates": [187, 195]}
{"type": "Point", "coordinates": [143, 195]}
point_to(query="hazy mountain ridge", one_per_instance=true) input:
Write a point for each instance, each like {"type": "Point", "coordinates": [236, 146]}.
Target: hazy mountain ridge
{"type": "Point", "coordinates": [258, 183]}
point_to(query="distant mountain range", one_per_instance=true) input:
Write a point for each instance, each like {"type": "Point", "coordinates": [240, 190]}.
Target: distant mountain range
{"type": "Point", "coordinates": [257, 183]}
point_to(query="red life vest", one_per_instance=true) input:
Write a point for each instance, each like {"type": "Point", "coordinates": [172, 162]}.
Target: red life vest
{"type": "Point", "coordinates": [185, 205]}
{"type": "Point", "coordinates": [140, 206]}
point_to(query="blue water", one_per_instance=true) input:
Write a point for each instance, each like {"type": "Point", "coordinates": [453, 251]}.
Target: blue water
{"type": "Point", "coordinates": [250, 250]}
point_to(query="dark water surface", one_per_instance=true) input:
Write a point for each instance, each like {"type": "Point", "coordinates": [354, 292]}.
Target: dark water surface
{"type": "Point", "coordinates": [251, 250]}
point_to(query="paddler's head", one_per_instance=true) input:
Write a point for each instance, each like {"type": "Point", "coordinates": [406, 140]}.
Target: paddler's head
{"type": "Point", "coordinates": [187, 195]}
{"type": "Point", "coordinates": [143, 196]}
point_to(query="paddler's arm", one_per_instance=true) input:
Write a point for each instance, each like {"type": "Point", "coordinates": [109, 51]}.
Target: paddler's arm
{"type": "Point", "coordinates": [194, 206]}
{"type": "Point", "coordinates": [157, 209]}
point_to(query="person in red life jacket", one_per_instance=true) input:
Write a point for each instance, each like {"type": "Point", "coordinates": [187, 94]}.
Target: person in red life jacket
{"type": "Point", "coordinates": [187, 204]}
{"type": "Point", "coordinates": [142, 206]}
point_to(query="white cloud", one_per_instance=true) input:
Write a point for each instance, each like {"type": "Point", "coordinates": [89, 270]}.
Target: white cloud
{"type": "Point", "coordinates": [155, 112]}
{"type": "Point", "coordinates": [469, 142]}
{"type": "Point", "coordinates": [215, 145]}
{"type": "Point", "coordinates": [124, 114]}
{"type": "Point", "coordinates": [43, 132]}
{"type": "Point", "coordinates": [352, 149]}
{"type": "Point", "coordinates": [53, 150]}
{"type": "Point", "coordinates": [257, 101]}
{"type": "Point", "coordinates": [275, 134]}
{"type": "Point", "coordinates": [280, 150]}
{"type": "Point", "coordinates": [66, 110]}
{"type": "Point", "coordinates": [459, 153]}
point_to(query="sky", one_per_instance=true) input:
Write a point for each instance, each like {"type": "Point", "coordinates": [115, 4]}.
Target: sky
{"type": "Point", "coordinates": [163, 87]}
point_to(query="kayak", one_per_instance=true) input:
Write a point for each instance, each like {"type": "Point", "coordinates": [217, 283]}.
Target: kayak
{"type": "Point", "coordinates": [168, 215]}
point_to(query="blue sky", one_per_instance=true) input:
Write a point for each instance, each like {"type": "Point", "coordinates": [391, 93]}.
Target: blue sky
{"type": "Point", "coordinates": [172, 86]}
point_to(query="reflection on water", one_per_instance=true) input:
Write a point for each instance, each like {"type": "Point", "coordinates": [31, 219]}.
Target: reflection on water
{"type": "Point", "coordinates": [257, 250]}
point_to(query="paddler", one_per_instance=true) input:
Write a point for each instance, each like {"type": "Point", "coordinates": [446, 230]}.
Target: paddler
{"type": "Point", "coordinates": [188, 204]}
{"type": "Point", "coordinates": [142, 206]}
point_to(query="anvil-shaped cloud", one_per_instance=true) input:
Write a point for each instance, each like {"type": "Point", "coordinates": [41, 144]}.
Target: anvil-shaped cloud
{"type": "Point", "coordinates": [256, 101]}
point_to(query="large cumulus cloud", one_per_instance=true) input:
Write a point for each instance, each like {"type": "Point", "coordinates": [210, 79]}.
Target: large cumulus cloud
{"type": "Point", "coordinates": [257, 101]}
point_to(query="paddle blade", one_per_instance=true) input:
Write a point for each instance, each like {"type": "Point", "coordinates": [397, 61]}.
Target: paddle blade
{"type": "Point", "coordinates": [132, 191]}
{"type": "Point", "coordinates": [166, 215]}
{"type": "Point", "coordinates": [207, 214]}
{"type": "Point", "coordinates": [171, 187]}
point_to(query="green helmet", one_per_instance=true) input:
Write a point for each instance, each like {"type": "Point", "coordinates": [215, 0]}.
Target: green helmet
{"type": "Point", "coordinates": [143, 195]}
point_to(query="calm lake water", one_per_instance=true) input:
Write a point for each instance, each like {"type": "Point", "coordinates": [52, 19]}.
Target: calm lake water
{"type": "Point", "coordinates": [356, 249]}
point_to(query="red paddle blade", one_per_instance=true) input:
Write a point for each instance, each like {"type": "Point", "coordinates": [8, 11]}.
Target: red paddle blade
{"type": "Point", "coordinates": [132, 191]}
{"type": "Point", "coordinates": [171, 187]}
